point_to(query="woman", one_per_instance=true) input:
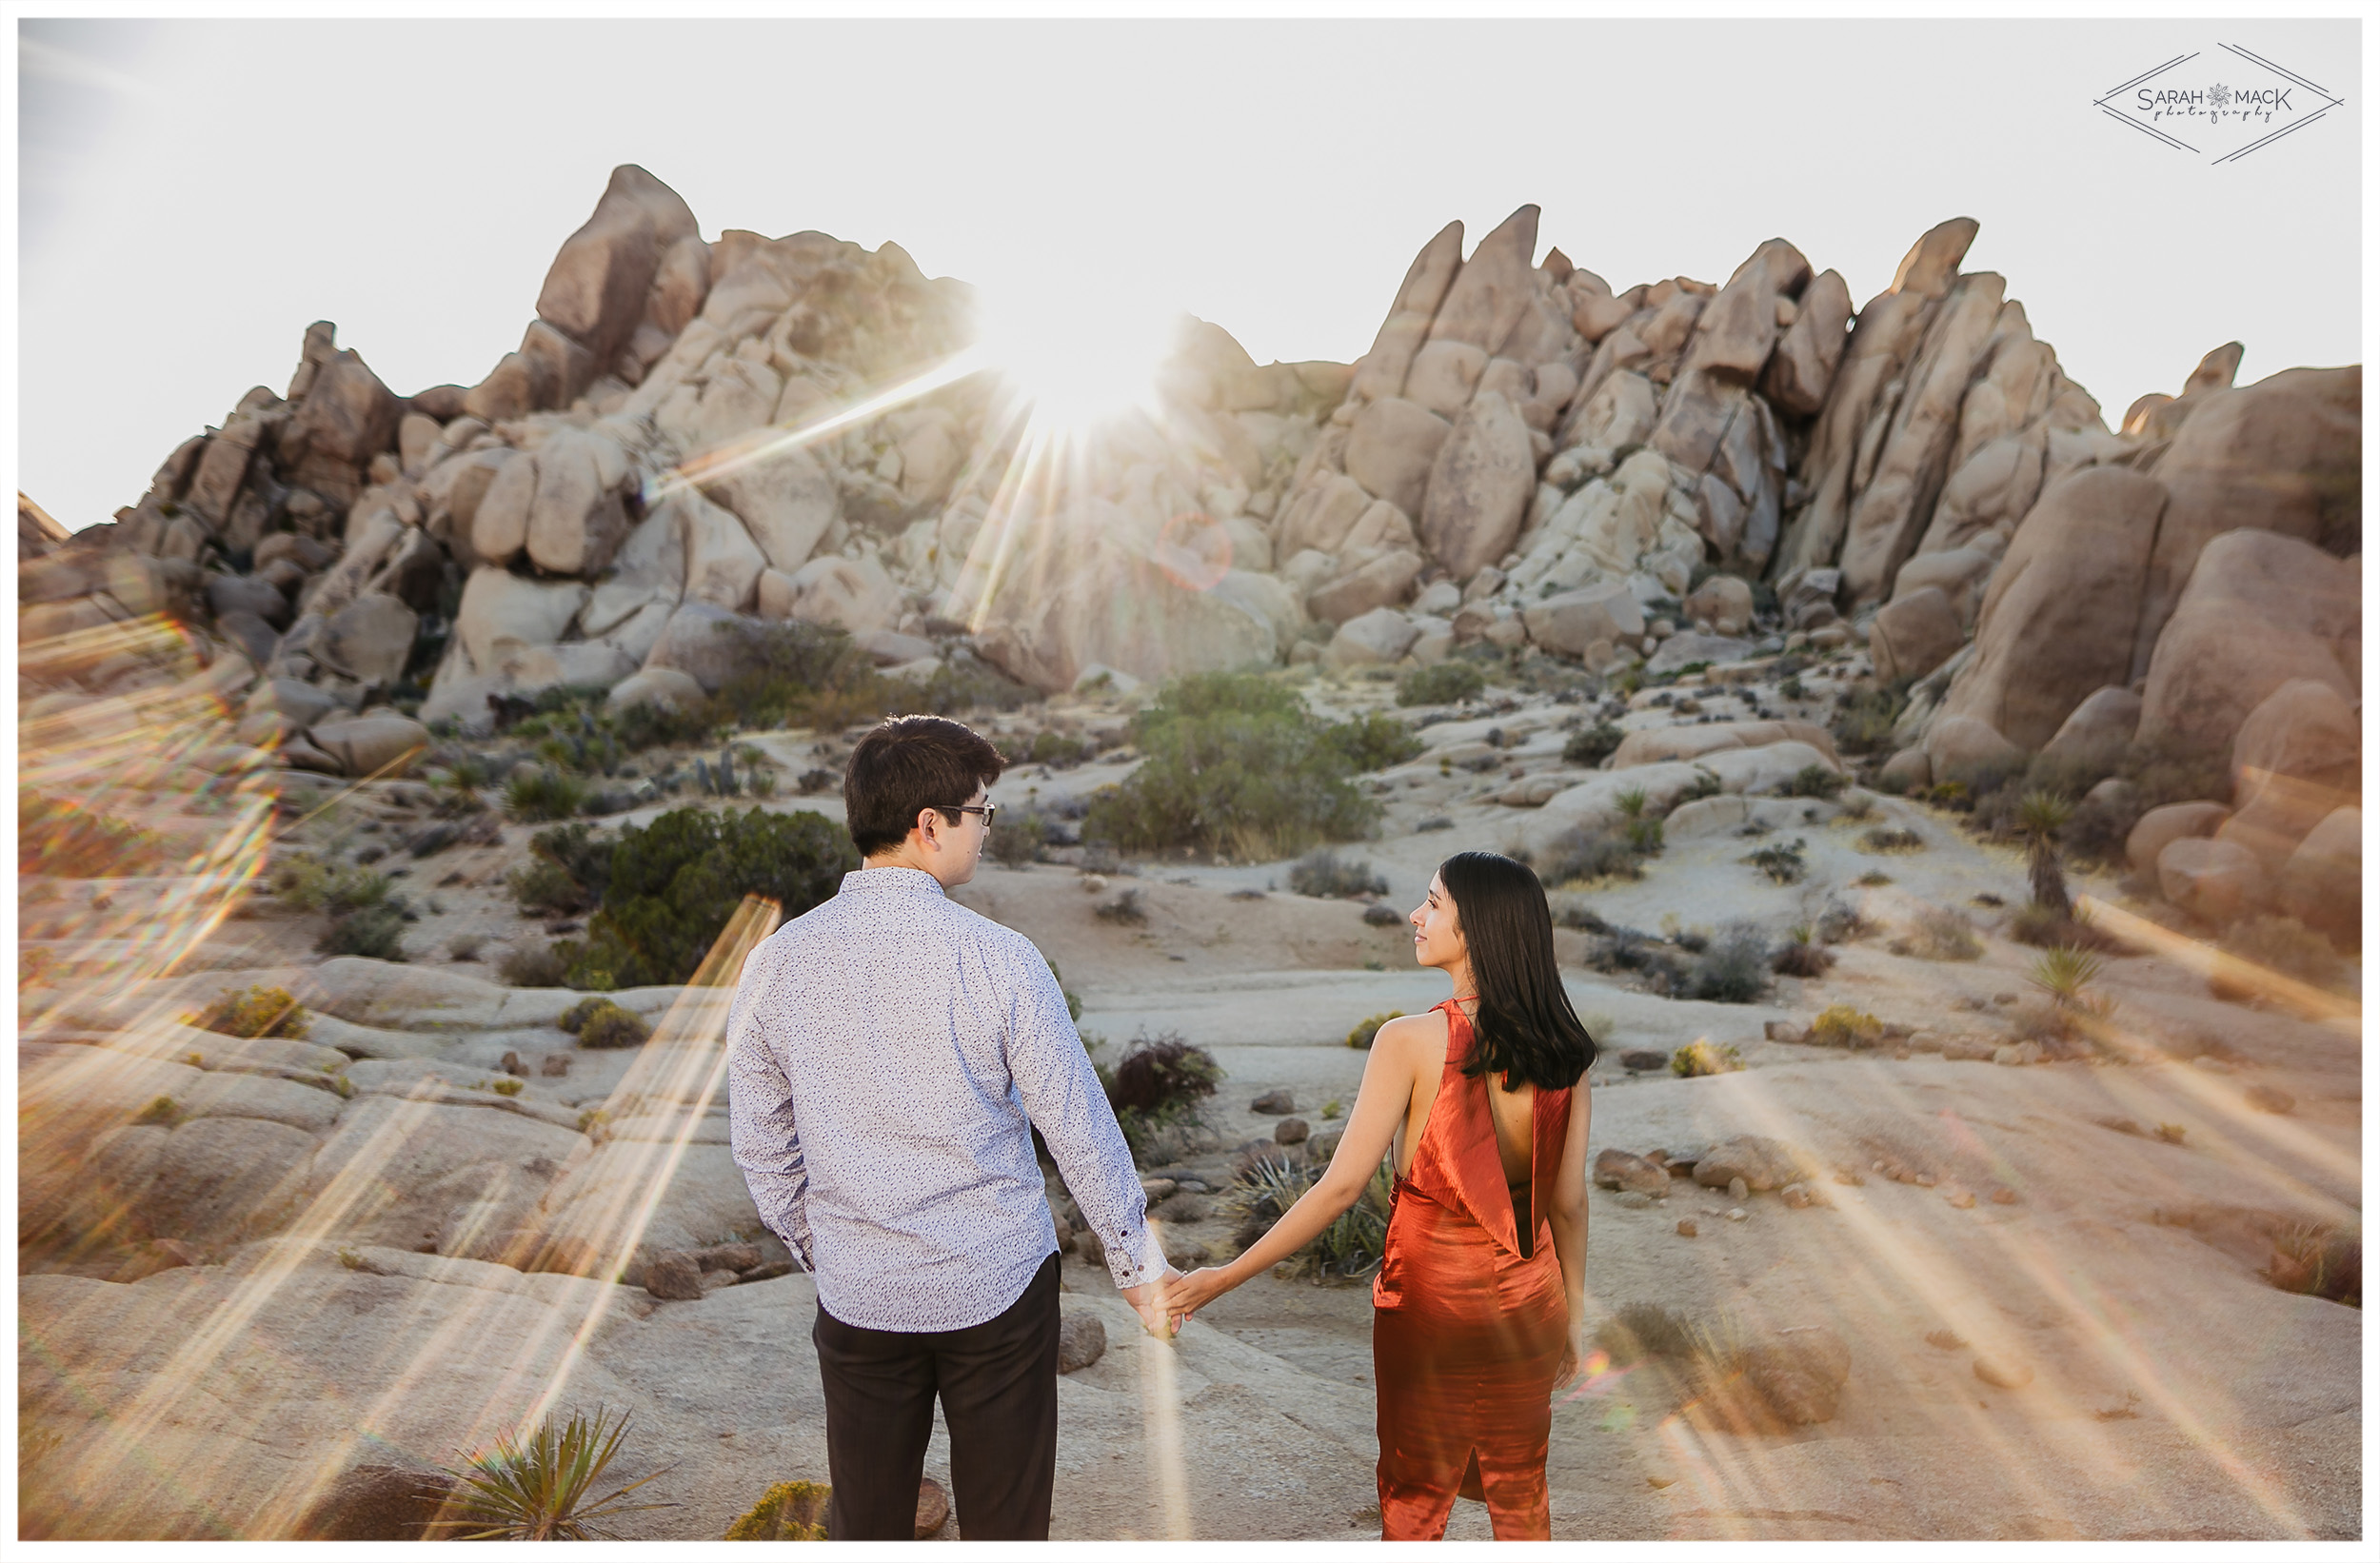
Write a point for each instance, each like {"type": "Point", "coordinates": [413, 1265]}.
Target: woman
{"type": "Point", "coordinates": [1475, 1319]}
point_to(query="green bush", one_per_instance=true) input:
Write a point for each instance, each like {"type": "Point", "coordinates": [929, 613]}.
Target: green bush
{"type": "Point", "coordinates": [1943, 934]}
{"type": "Point", "coordinates": [371, 931]}
{"type": "Point", "coordinates": [1369, 1027]}
{"type": "Point", "coordinates": [1863, 722]}
{"type": "Point", "coordinates": [545, 793]}
{"type": "Point", "coordinates": [1816, 781]}
{"type": "Point", "coordinates": [1782, 862]}
{"type": "Point", "coordinates": [312, 886]}
{"type": "Point", "coordinates": [651, 725]}
{"type": "Point", "coordinates": [256, 1011]}
{"type": "Point", "coordinates": [1351, 1246]}
{"type": "Point", "coordinates": [542, 1489]}
{"type": "Point", "coordinates": [2287, 946]}
{"type": "Point", "coordinates": [1373, 742]}
{"type": "Point", "coordinates": [531, 966]}
{"type": "Point", "coordinates": [671, 887]}
{"type": "Point", "coordinates": [1236, 761]}
{"type": "Point", "coordinates": [1160, 1082]}
{"type": "Point", "coordinates": [602, 1024]}
{"type": "Point", "coordinates": [1323, 873]}
{"type": "Point", "coordinates": [1592, 745]}
{"type": "Point", "coordinates": [56, 836]}
{"type": "Point", "coordinates": [1013, 842]}
{"type": "Point", "coordinates": [1445, 684]}
{"type": "Point", "coordinates": [1123, 907]}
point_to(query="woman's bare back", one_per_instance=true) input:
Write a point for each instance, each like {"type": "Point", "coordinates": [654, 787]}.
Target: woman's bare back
{"type": "Point", "coordinates": [1513, 1110]}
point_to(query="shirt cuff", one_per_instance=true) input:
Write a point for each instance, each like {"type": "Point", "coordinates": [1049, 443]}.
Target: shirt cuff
{"type": "Point", "coordinates": [1142, 1268]}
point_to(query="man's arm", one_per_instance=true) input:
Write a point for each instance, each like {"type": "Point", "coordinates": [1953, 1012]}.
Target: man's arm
{"type": "Point", "coordinates": [760, 1132]}
{"type": "Point", "coordinates": [1062, 1097]}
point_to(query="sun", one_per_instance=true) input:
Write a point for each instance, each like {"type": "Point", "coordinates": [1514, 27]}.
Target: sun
{"type": "Point", "coordinates": [1079, 351]}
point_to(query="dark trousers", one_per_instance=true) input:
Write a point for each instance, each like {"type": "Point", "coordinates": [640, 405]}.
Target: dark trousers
{"type": "Point", "coordinates": [999, 1385]}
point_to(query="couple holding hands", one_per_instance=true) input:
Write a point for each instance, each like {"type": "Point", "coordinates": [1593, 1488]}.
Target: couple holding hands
{"type": "Point", "coordinates": [890, 1053]}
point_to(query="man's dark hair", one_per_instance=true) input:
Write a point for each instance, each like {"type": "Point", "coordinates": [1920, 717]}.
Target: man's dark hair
{"type": "Point", "coordinates": [908, 764]}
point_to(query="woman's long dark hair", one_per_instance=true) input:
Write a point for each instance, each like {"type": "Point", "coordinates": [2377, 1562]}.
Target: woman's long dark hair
{"type": "Point", "coordinates": [1526, 1028]}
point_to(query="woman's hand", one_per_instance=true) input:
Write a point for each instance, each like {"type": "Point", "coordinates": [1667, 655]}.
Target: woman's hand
{"type": "Point", "coordinates": [1574, 1358]}
{"type": "Point", "coordinates": [1193, 1292]}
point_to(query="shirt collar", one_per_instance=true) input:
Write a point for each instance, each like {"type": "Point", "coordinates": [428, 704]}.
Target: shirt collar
{"type": "Point", "coordinates": [892, 881]}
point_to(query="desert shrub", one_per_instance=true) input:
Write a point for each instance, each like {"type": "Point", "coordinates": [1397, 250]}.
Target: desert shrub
{"type": "Point", "coordinates": [1943, 934]}
{"type": "Point", "coordinates": [1445, 684]}
{"type": "Point", "coordinates": [2287, 946]}
{"type": "Point", "coordinates": [1163, 1074]}
{"type": "Point", "coordinates": [1013, 843]}
{"type": "Point", "coordinates": [602, 1024]}
{"type": "Point", "coordinates": [1578, 915]}
{"type": "Point", "coordinates": [1642, 1330]}
{"type": "Point", "coordinates": [652, 725]}
{"type": "Point", "coordinates": [374, 931]}
{"type": "Point", "coordinates": [1781, 862]}
{"type": "Point", "coordinates": [544, 888]}
{"type": "Point", "coordinates": [1352, 1245]}
{"type": "Point", "coordinates": [1592, 745]}
{"type": "Point", "coordinates": [1816, 781]}
{"type": "Point", "coordinates": [1373, 742]}
{"type": "Point", "coordinates": [1698, 1057]}
{"type": "Point", "coordinates": [532, 966]}
{"type": "Point", "coordinates": [1060, 750]}
{"type": "Point", "coordinates": [66, 840]}
{"type": "Point", "coordinates": [1841, 1025]}
{"type": "Point", "coordinates": [541, 1490]}
{"type": "Point", "coordinates": [1236, 761]}
{"type": "Point", "coordinates": [799, 674]}
{"type": "Point", "coordinates": [544, 794]}
{"type": "Point", "coordinates": [2064, 975]}
{"type": "Point", "coordinates": [1733, 968]}
{"type": "Point", "coordinates": [1802, 955]}
{"type": "Point", "coordinates": [312, 886]}
{"type": "Point", "coordinates": [1863, 720]}
{"type": "Point", "coordinates": [671, 887]}
{"type": "Point", "coordinates": [1324, 873]}
{"type": "Point", "coordinates": [257, 1011]}
{"type": "Point", "coordinates": [791, 1511]}
{"type": "Point", "coordinates": [1365, 1029]}
{"type": "Point", "coordinates": [1436, 821]}
{"type": "Point", "coordinates": [2099, 828]}
{"type": "Point", "coordinates": [964, 682]}
{"type": "Point", "coordinates": [1123, 907]}
{"type": "Point", "coordinates": [1380, 915]}
{"type": "Point", "coordinates": [2163, 775]}
{"type": "Point", "coordinates": [464, 946]}
{"type": "Point", "coordinates": [1893, 839]}
{"type": "Point", "coordinates": [1840, 922]}
{"type": "Point", "coordinates": [1580, 854]}
{"type": "Point", "coordinates": [2043, 928]}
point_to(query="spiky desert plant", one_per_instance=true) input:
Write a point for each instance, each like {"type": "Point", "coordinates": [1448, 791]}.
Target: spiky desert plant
{"type": "Point", "coordinates": [537, 1489]}
{"type": "Point", "coordinates": [2041, 816]}
{"type": "Point", "coordinates": [2064, 973]}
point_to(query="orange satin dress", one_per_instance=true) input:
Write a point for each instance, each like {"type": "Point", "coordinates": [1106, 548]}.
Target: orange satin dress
{"type": "Point", "coordinates": [1468, 1320]}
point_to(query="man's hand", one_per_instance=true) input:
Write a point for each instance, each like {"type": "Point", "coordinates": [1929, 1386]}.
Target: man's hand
{"type": "Point", "coordinates": [1148, 1300]}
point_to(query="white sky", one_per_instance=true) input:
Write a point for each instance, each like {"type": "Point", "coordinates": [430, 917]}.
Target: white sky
{"type": "Point", "coordinates": [192, 195]}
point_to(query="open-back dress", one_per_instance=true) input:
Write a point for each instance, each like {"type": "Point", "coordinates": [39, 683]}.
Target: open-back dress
{"type": "Point", "coordinates": [1468, 1318]}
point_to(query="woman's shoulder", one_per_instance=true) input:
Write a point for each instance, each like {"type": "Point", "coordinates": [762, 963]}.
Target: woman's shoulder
{"type": "Point", "coordinates": [1424, 1032]}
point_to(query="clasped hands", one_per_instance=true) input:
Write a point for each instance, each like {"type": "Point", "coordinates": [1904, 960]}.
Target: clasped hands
{"type": "Point", "coordinates": [1167, 1303]}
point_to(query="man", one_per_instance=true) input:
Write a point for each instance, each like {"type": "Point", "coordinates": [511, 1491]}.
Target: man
{"type": "Point", "coordinates": [890, 1054]}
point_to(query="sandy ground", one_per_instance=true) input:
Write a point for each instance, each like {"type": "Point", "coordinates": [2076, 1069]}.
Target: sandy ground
{"type": "Point", "coordinates": [2171, 1393]}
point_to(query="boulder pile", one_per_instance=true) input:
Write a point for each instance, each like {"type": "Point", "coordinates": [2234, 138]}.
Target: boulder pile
{"type": "Point", "coordinates": [695, 436]}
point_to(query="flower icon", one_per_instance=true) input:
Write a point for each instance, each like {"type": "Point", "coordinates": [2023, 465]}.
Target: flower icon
{"type": "Point", "coordinates": [2218, 96]}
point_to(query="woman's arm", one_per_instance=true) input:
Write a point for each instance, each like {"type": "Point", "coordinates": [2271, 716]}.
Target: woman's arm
{"type": "Point", "coordinates": [1380, 1106]}
{"type": "Point", "coordinates": [1569, 1220]}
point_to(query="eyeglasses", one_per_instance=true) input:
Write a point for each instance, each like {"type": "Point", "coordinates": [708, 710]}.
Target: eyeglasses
{"type": "Point", "coordinates": [988, 810]}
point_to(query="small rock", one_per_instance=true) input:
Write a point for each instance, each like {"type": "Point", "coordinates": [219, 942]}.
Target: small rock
{"type": "Point", "coordinates": [1784, 1031]}
{"type": "Point", "coordinates": [1944, 1340]}
{"type": "Point", "coordinates": [2004, 998]}
{"type": "Point", "coordinates": [1634, 1201]}
{"type": "Point", "coordinates": [2016, 1055]}
{"type": "Point", "coordinates": [1968, 1050]}
{"type": "Point", "coordinates": [1643, 1060]}
{"type": "Point", "coordinates": [768, 1269]}
{"type": "Point", "coordinates": [1081, 1341]}
{"type": "Point", "coordinates": [1157, 1189]}
{"type": "Point", "coordinates": [1796, 1196]}
{"type": "Point", "coordinates": [1924, 1179]}
{"type": "Point", "coordinates": [1738, 1214]}
{"type": "Point", "coordinates": [1738, 1190]}
{"type": "Point", "coordinates": [2003, 1375]}
{"type": "Point", "coordinates": [1291, 1131]}
{"type": "Point", "coordinates": [738, 1257]}
{"type": "Point", "coordinates": [714, 1279]}
{"type": "Point", "coordinates": [2004, 1196]}
{"type": "Point", "coordinates": [1850, 1177]}
{"type": "Point", "coordinates": [2269, 1099]}
{"type": "Point", "coordinates": [673, 1277]}
{"type": "Point", "coordinates": [554, 1064]}
{"type": "Point", "coordinates": [1925, 1042]}
{"type": "Point", "coordinates": [513, 1066]}
{"type": "Point", "coordinates": [1617, 1169]}
{"type": "Point", "coordinates": [1687, 1229]}
{"type": "Point", "coordinates": [1274, 1103]}
{"type": "Point", "coordinates": [934, 1505]}
{"type": "Point", "coordinates": [1958, 1199]}
{"type": "Point", "coordinates": [1660, 1479]}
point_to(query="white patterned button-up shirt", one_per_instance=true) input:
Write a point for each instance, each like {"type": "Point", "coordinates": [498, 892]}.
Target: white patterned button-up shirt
{"type": "Point", "coordinates": [886, 1052]}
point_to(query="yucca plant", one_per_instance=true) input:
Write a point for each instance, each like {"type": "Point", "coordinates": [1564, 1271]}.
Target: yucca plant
{"type": "Point", "coordinates": [1630, 802]}
{"type": "Point", "coordinates": [2064, 973]}
{"type": "Point", "coordinates": [2041, 816]}
{"type": "Point", "coordinates": [537, 1491]}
